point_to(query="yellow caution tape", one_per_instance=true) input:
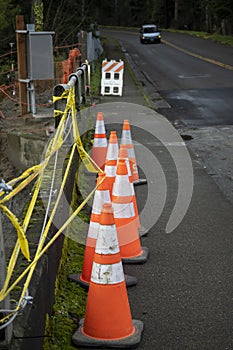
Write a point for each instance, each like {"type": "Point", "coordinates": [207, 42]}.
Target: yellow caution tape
{"type": "Point", "coordinates": [19, 188]}
{"type": "Point", "coordinates": [25, 174]}
{"type": "Point", "coordinates": [65, 94]}
{"type": "Point", "coordinates": [89, 163]}
{"type": "Point", "coordinates": [57, 113]}
{"type": "Point", "coordinates": [52, 240]}
{"type": "Point", "coordinates": [28, 176]}
{"type": "Point", "coordinates": [21, 236]}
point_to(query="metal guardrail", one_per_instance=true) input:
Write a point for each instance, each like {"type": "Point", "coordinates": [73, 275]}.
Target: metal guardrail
{"type": "Point", "coordinates": [80, 80]}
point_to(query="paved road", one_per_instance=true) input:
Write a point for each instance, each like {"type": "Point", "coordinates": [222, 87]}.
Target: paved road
{"type": "Point", "coordinates": [197, 96]}
{"type": "Point", "coordinates": [199, 92]}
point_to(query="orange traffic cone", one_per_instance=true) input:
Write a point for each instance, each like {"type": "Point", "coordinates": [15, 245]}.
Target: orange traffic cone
{"type": "Point", "coordinates": [123, 153]}
{"type": "Point", "coordinates": [99, 148]}
{"type": "Point", "coordinates": [108, 321]}
{"type": "Point", "coordinates": [111, 159]}
{"type": "Point", "coordinates": [125, 218]}
{"type": "Point", "coordinates": [126, 139]}
{"type": "Point", "coordinates": [102, 195]}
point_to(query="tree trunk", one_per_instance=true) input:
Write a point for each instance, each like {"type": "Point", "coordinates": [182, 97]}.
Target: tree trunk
{"type": "Point", "coordinates": [176, 14]}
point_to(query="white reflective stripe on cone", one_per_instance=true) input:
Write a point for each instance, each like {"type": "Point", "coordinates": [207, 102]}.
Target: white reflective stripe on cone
{"type": "Point", "coordinates": [110, 170]}
{"type": "Point", "coordinates": [107, 242]}
{"type": "Point", "coordinates": [131, 153]}
{"type": "Point", "coordinates": [132, 188]}
{"type": "Point", "coordinates": [100, 142]}
{"type": "Point", "coordinates": [128, 166]}
{"type": "Point", "coordinates": [112, 152]}
{"type": "Point", "coordinates": [107, 274]}
{"type": "Point", "coordinates": [123, 178]}
{"type": "Point", "coordinates": [100, 127]}
{"type": "Point", "coordinates": [126, 137]}
{"type": "Point", "coordinates": [100, 198]}
{"type": "Point", "coordinates": [93, 229]}
{"type": "Point", "coordinates": [123, 211]}
{"type": "Point", "coordinates": [122, 189]}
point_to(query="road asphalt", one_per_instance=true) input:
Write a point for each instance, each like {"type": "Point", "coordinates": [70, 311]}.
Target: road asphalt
{"type": "Point", "coordinates": [184, 294]}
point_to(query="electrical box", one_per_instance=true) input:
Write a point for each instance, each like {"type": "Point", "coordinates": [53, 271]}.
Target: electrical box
{"type": "Point", "coordinates": [40, 55]}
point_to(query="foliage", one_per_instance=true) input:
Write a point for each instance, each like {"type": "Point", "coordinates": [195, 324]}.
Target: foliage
{"type": "Point", "coordinates": [96, 79]}
{"type": "Point", "coordinates": [39, 16]}
{"type": "Point", "coordinates": [68, 17]}
{"type": "Point", "coordinates": [8, 11]}
{"type": "Point", "coordinates": [3, 16]}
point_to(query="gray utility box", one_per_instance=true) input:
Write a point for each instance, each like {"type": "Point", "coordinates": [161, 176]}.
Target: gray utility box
{"type": "Point", "coordinates": [40, 64]}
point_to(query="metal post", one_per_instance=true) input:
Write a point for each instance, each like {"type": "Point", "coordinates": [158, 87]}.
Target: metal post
{"type": "Point", "coordinates": [84, 83]}
{"type": "Point", "coordinates": [32, 97]}
{"type": "Point", "coordinates": [80, 96]}
{"type": "Point", "coordinates": [79, 79]}
{"type": "Point", "coordinates": [21, 59]}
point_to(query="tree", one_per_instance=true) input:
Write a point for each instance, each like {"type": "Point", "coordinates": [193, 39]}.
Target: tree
{"type": "Point", "coordinates": [7, 22]}
{"type": "Point", "coordinates": [4, 19]}
{"type": "Point", "coordinates": [223, 16]}
{"type": "Point", "coordinates": [67, 17]}
{"type": "Point", "coordinates": [39, 15]}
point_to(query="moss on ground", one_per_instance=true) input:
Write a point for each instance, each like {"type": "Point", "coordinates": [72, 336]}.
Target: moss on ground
{"type": "Point", "coordinates": [70, 303]}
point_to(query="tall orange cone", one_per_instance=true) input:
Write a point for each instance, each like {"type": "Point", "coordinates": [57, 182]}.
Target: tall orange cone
{"type": "Point", "coordinates": [111, 159]}
{"type": "Point", "coordinates": [126, 139]}
{"type": "Point", "coordinates": [99, 149]}
{"type": "Point", "coordinates": [108, 321]}
{"type": "Point", "coordinates": [102, 195]}
{"type": "Point", "coordinates": [125, 217]}
{"type": "Point", "coordinates": [123, 153]}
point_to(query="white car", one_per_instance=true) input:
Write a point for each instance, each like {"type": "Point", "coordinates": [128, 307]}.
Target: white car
{"type": "Point", "coordinates": [149, 34]}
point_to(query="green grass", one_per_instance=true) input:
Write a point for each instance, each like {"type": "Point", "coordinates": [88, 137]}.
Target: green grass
{"type": "Point", "coordinates": [96, 78]}
{"type": "Point", "coordinates": [222, 39]}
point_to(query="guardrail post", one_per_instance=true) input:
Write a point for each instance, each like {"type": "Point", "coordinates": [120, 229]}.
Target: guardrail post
{"type": "Point", "coordinates": [78, 80]}
{"type": "Point", "coordinates": [60, 104]}
{"type": "Point", "coordinates": [84, 81]}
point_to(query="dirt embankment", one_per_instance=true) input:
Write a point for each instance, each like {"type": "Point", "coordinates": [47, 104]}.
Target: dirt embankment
{"type": "Point", "coordinates": [12, 123]}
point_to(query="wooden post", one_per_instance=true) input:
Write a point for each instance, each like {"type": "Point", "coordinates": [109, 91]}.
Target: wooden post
{"type": "Point", "coordinates": [22, 68]}
{"type": "Point", "coordinates": [5, 304]}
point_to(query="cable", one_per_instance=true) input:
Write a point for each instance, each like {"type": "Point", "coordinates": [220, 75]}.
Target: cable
{"type": "Point", "coordinates": [27, 299]}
